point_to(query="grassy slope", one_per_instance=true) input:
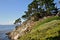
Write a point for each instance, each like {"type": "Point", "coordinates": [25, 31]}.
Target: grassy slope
{"type": "Point", "coordinates": [47, 28]}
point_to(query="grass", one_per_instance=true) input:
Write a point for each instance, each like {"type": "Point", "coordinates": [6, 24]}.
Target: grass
{"type": "Point", "coordinates": [44, 30]}
{"type": "Point", "coordinates": [45, 21]}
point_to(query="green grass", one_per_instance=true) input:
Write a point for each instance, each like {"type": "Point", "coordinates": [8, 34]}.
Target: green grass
{"type": "Point", "coordinates": [45, 21]}
{"type": "Point", "coordinates": [47, 28]}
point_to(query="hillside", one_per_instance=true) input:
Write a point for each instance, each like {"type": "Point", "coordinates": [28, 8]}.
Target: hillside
{"type": "Point", "coordinates": [46, 29]}
{"type": "Point", "coordinates": [41, 22]}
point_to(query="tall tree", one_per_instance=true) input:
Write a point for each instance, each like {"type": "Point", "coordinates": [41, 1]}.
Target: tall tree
{"type": "Point", "coordinates": [40, 8]}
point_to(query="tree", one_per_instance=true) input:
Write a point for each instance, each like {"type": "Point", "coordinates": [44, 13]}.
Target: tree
{"type": "Point", "coordinates": [24, 16]}
{"type": "Point", "coordinates": [40, 8]}
{"type": "Point", "coordinates": [59, 2]}
{"type": "Point", "coordinates": [18, 21]}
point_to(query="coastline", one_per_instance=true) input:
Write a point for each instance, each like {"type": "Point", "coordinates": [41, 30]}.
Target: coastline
{"type": "Point", "coordinates": [4, 29]}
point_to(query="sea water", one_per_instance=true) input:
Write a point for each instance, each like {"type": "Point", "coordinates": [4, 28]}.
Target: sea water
{"type": "Point", "coordinates": [4, 29]}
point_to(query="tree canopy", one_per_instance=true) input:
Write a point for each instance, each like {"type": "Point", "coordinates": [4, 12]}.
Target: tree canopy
{"type": "Point", "coordinates": [40, 8]}
{"type": "Point", "coordinates": [17, 21]}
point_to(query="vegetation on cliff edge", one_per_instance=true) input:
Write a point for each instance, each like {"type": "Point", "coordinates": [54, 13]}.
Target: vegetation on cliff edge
{"type": "Point", "coordinates": [48, 29]}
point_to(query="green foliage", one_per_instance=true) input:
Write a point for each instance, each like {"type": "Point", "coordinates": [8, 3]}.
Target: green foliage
{"type": "Point", "coordinates": [40, 9]}
{"type": "Point", "coordinates": [17, 21]}
{"type": "Point", "coordinates": [54, 38]}
{"type": "Point", "coordinates": [46, 20]}
{"type": "Point", "coordinates": [47, 29]}
{"type": "Point", "coordinates": [24, 16]}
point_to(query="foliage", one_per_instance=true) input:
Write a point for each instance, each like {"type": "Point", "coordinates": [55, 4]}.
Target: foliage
{"type": "Point", "coordinates": [46, 21]}
{"type": "Point", "coordinates": [44, 30]}
{"type": "Point", "coordinates": [40, 8]}
{"type": "Point", "coordinates": [17, 21]}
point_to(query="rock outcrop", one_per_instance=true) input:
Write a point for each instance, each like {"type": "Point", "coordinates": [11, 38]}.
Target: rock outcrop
{"type": "Point", "coordinates": [21, 30]}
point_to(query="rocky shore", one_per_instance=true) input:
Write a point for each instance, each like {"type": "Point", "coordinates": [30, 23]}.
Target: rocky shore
{"type": "Point", "coordinates": [21, 30]}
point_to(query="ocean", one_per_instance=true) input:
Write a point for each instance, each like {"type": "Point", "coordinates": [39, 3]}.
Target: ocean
{"type": "Point", "coordinates": [4, 29]}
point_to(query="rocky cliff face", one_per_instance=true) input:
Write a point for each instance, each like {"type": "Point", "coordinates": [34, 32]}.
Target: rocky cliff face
{"type": "Point", "coordinates": [21, 30]}
{"type": "Point", "coordinates": [28, 26]}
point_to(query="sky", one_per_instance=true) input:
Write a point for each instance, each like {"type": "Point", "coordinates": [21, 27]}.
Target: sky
{"type": "Point", "coordinates": [10, 10]}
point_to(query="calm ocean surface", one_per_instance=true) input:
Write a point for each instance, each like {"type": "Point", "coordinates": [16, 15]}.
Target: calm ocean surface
{"type": "Point", "coordinates": [4, 29]}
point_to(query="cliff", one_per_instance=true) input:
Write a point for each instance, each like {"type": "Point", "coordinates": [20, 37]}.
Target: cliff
{"type": "Point", "coordinates": [21, 30]}
{"type": "Point", "coordinates": [44, 28]}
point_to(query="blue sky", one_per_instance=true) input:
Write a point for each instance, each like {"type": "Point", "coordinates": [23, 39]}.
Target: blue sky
{"type": "Point", "coordinates": [10, 10]}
